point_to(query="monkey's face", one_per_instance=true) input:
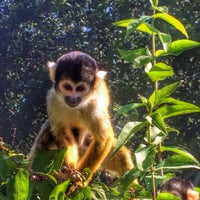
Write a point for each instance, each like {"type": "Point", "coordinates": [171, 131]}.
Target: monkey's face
{"type": "Point", "coordinates": [74, 93]}
{"type": "Point", "coordinates": [75, 76]}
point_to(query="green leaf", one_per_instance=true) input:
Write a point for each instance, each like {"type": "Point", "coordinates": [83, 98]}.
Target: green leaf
{"type": "Point", "coordinates": [99, 192]}
{"type": "Point", "coordinates": [177, 162]}
{"type": "Point", "coordinates": [158, 121]}
{"type": "Point", "coordinates": [133, 25]}
{"type": "Point", "coordinates": [83, 194]}
{"type": "Point", "coordinates": [48, 161]}
{"type": "Point", "coordinates": [127, 179]}
{"type": "Point", "coordinates": [171, 100]}
{"type": "Point", "coordinates": [144, 27]}
{"type": "Point", "coordinates": [145, 102]}
{"type": "Point", "coordinates": [165, 40]}
{"type": "Point", "coordinates": [59, 191]}
{"type": "Point", "coordinates": [131, 55]}
{"type": "Point", "coordinates": [86, 191]}
{"type": "Point", "coordinates": [127, 132]}
{"type": "Point", "coordinates": [141, 193]}
{"type": "Point", "coordinates": [160, 53]}
{"type": "Point", "coordinates": [124, 23]}
{"type": "Point", "coordinates": [167, 196]}
{"type": "Point", "coordinates": [18, 186]}
{"type": "Point", "coordinates": [158, 96]}
{"type": "Point", "coordinates": [59, 158]}
{"type": "Point", "coordinates": [157, 136]}
{"type": "Point", "coordinates": [162, 9]}
{"type": "Point", "coordinates": [154, 2]}
{"type": "Point", "coordinates": [123, 110]}
{"type": "Point", "coordinates": [160, 71]}
{"type": "Point", "coordinates": [139, 57]}
{"type": "Point", "coordinates": [173, 130]}
{"type": "Point", "coordinates": [41, 182]}
{"type": "Point", "coordinates": [181, 152]}
{"type": "Point", "coordinates": [145, 156]}
{"type": "Point", "coordinates": [179, 108]}
{"type": "Point", "coordinates": [177, 47]}
{"type": "Point", "coordinates": [143, 99]}
{"type": "Point", "coordinates": [7, 165]}
{"type": "Point", "coordinates": [173, 21]}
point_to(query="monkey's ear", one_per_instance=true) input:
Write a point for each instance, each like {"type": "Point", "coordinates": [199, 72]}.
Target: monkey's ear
{"type": "Point", "coordinates": [192, 195]}
{"type": "Point", "coordinates": [52, 70]}
{"type": "Point", "coordinates": [101, 74]}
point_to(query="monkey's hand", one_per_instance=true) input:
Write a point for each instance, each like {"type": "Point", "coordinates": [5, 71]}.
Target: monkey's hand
{"type": "Point", "coordinates": [77, 178]}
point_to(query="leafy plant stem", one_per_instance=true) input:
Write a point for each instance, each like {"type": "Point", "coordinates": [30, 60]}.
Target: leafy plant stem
{"type": "Point", "coordinates": [152, 167]}
{"type": "Point", "coordinates": [156, 85]}
{"type": "Point", "coordinates": [159, 105]}
{"type": "Point", "coordinates": [156, 88]}
{"type": "Point", "coordinates": [153, 39]}
{"type": "Point", "coordinates": [153, 182]}
{"type": "Point", "coordinates": [156, 82]}
{"type": "Point", "coordinates": [160, 157]}
{"type": "Point", "coordinates": [149, 134]}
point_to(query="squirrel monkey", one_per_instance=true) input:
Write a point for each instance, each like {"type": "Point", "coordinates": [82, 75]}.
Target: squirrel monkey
{"type": "Point", "coordinates": [78, 117]}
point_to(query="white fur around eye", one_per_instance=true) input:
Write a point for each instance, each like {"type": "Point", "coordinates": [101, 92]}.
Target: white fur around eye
{"type": "Point", "coordinates": [66, 86]}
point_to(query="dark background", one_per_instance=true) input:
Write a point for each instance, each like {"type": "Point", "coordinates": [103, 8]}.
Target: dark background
{"type": "Point", "coordinates": [35, 31]}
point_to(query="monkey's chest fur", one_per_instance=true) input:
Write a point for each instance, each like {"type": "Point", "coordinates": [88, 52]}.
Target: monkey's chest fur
{"type": "Point", "coordinates": [72, 126]}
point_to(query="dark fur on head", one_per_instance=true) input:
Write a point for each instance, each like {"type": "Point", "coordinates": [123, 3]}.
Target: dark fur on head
{"type": "Point", "coordinates": [177, 187]}
{"type": "Point", "coordinates": [77, 66]}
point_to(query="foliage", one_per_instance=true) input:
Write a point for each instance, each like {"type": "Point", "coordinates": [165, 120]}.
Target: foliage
{"type": "Point", "coordinates": [45, 179]}
{"type": "Point", "coordinates": [152, 166]}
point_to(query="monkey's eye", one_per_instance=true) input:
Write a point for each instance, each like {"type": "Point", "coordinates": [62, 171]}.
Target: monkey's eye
{"type": "Point", "coordinates": [80, 88]}
{"type": "Point", "coordinates": [68, 87]}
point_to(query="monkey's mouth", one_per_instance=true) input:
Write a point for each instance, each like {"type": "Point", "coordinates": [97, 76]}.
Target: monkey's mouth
{"type": "Point", "coordinates": [72, 105]}
{"type": "Point", "coordinates": [72, 102]}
